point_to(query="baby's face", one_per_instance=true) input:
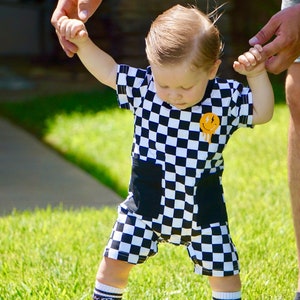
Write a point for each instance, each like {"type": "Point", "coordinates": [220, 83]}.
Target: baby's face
{"type": "Point", "coordinates": [180, 86]}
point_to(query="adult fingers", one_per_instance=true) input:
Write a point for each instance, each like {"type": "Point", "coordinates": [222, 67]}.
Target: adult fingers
{"type": "Point", "coordinates": [279, 63]}
{"type": "Point", "coordinates": [57, 14]}
{"type": "Point", "coordinates": [266, 33]}
{"type": "Point", "coordinates": [69, 48]}
{"type": "Point", "coordinates": [84, 9]}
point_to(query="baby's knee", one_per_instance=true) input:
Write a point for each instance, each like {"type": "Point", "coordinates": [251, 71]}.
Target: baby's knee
{"type": "Point", "coordinates": [225, 284]}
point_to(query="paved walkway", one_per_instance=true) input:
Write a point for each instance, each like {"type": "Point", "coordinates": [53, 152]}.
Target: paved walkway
{"type": "Point", "coordinates": [34, 176]}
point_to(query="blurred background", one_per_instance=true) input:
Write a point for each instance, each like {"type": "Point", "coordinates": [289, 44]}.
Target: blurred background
{"type": "Point", "coordinates": [30, 52]}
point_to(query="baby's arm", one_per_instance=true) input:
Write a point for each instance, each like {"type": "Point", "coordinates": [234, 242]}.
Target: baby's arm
{"type": "Point", "coordinates": [252, 64]}
{"type": "Point", "coordinates": [98, 62]}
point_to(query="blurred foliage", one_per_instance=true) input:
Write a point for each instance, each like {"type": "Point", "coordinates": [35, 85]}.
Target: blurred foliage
{"type": "Point", "coordinates": [247, 17]}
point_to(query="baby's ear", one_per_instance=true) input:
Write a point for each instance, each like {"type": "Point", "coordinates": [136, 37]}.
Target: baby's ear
{"type": "Point", "coordinates": [214, 69]}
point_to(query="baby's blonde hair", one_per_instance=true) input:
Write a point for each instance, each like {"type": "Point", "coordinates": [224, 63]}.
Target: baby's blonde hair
{"type": "Point", "coordinates": [183, 33]}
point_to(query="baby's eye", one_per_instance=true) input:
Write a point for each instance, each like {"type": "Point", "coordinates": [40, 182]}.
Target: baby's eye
{"type": "Point", "coordinates": [163, 86]}
{"type": "Point", "coordinates": [187, 88]}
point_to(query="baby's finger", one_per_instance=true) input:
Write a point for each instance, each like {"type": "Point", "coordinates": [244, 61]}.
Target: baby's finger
{"type": "Point", "coordinates": [62, 24]}
{"type": "Point", "coordinates": [244, 59]}
{"type": "Point", "coordinates": [256, 51]}
{"type": "Point", "coordinates": [238, 67]}
{"type": "Point", "coordinates": [252, 57]}
{"type": "Point", "coordinates": [259, 48]}
{"type": "Point", "coordinates": [82, 33]}
{"type": "Point", "coordinates": [77, 29]}
{"type": "Point", "coordinates": [62, 19]}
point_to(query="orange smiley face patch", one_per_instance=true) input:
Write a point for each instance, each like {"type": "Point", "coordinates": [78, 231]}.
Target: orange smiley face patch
{"type": "Point", "coordinates": [209, 123]}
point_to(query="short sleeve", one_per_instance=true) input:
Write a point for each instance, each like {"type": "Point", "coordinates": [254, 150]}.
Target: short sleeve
{"type": "Point", "coordinates": [132, 85]}
{"type": "Point", "coordinates": [241, 106]}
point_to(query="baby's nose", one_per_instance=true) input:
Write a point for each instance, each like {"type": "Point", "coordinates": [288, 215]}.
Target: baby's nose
{"type": "Point", "coordinates": [174, 96]}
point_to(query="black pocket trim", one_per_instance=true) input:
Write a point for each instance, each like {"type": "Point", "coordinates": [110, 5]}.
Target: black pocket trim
{"type": "Point", "coordinates": [209, 197]}
{"type": "Point", "coordinates": [145, 185]}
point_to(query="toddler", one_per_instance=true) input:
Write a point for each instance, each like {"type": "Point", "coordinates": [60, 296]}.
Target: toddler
{"type": "Point", "coordinates": [184, 116]}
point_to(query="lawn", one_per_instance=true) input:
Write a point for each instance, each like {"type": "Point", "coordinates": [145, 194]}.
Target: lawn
{"type": "Point", "coordinates": [54, 253]}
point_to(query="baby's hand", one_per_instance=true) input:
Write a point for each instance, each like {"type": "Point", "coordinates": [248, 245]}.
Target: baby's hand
{"type": "Point", "coordinates": [251, 63]}
{"type": "Point", "coordinates": [72, 30]}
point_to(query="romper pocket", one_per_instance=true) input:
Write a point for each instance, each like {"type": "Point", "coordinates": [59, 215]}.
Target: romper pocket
{"type": "Point", "coordinates": [209, 197]}
{"type": "Point", "coordinates": [145, 185]}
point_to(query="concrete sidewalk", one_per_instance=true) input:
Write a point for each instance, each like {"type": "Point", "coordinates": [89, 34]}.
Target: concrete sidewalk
{"type": "Point", "coordinates": [34, 176]}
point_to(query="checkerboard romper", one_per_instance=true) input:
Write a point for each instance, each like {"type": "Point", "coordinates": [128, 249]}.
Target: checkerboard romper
{"type": "Point", "coordinates": [175, 193]}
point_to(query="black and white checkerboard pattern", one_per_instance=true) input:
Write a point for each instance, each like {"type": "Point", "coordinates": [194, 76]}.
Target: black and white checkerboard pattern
{"type": "Point", "coordinates": [170, 145]}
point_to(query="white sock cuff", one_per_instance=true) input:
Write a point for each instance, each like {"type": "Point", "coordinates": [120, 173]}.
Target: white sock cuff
{"type": "Point", "coordinates": [227, 295]}
{"type": "Point", "coordinates": [108, 289]}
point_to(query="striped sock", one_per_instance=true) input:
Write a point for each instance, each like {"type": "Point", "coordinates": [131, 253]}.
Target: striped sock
{"type": "Point", "coordinates": [106, 292]}
{"type": "Point", "coordinates": [227, 296]}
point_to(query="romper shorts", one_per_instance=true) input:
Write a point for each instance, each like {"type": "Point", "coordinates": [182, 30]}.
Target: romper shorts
{"type": "Point", "coordinates": [211, 249]}
{"type": "Point", "coordinates": [152, 214]}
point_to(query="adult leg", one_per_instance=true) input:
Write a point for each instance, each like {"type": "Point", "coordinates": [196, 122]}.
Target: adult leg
{"type": "Point", "coordinates": [293, 101]}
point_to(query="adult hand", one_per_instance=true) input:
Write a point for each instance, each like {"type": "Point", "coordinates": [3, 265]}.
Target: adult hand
{"type": "Point", "coordinates": [285, 48]}
{"type": "Point", "coordinates": [77, 9]}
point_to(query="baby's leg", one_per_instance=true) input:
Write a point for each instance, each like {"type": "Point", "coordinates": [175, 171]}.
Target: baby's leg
{"type": "Point", "coordinates": [131, 242]}
{"type": "Point", "coordinates": [112, 278]}
{"type": "Point", "coordinates": [227, 287]}
{"type": "Point", "coordinates": [215, 256]}
{"type": "Point", "coordinates": [114, 272]}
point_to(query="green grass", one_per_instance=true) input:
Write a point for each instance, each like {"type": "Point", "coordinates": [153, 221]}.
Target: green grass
{"type": "Point", "coordinates": [51, 254]}
{"type": "Point", "coordinates": [87, 128]}
{"type": "Point", "coordinates": [54, 254]}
